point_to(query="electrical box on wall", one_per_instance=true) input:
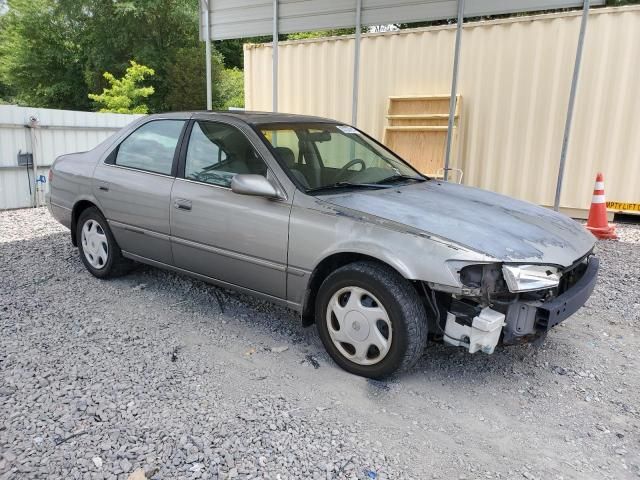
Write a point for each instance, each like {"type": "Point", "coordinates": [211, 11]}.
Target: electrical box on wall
{"type": "Point", "coordinates": [25, 159]}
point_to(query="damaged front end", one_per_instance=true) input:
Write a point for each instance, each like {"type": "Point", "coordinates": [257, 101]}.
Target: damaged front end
{"type": "Point", "coordinates": [508, 303]}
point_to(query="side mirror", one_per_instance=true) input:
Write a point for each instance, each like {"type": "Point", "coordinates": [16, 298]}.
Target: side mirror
{"type": "Point", "coordinates": [256, 185]}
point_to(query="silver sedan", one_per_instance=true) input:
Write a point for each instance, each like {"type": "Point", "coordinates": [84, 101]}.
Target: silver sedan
{"type": "Point", "coordinates": [316, 215]}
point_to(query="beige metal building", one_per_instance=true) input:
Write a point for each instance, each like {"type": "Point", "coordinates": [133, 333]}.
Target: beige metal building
{"type": "Point", "coordinates": [514, 83]}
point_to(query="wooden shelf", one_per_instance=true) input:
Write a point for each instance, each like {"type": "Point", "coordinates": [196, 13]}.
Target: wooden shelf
{"type": "Point", "coordinates": [410, 98]}
{"type": "Point", "coordinates": [424, 116]}
{"type": "Point", "coordinates": [418, 128]}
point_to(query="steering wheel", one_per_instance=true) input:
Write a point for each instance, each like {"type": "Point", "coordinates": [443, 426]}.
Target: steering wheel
{"type": "Point", "coordinates": [342, 172]}
{"type": "Point", "coordinates": [213, 177]}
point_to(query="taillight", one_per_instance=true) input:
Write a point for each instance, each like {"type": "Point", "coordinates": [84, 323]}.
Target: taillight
{"type": "Point", "coordinates": [50, 175]}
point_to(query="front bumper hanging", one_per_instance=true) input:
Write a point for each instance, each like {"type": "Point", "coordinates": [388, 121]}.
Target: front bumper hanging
{"type": "Point", "coordinates": [529, 320]}
{"type": "Point", "coordinates": [558, 309]}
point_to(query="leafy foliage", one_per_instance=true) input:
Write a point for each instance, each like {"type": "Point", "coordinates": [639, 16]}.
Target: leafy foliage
{"type": "Point", "coordinates": [39, 57]}
{"type": "Point", "coordinates": [125, 95]}
{"type": "Point", "coordinates": [232, 52]}
{"type": "Point", "coordinates": [230, 89]}
{"type": "Point", "coordinates": [187, 79]}
{"type": "Point", "coordinates": [53, 53]}
{"type": "Point", "coordinates": [321, 33]}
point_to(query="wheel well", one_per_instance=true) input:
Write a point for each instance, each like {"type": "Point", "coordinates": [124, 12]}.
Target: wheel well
{"type": "Point", "coordinates": [78, 208]}
{"type": "Point", "coordinates": [322, 271]}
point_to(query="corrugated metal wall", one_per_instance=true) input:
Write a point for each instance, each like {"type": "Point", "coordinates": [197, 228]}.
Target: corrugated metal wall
{"type": "Point", "coordinates": [515, 76]}
{"type": "Point", "coordinates": [57, 132]}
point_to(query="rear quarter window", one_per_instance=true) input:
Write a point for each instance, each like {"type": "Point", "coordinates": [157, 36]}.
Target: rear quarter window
{"type": "Point", "coordinates": [151, 147]}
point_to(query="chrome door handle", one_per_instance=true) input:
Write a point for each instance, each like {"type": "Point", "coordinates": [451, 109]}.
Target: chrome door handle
{"type": "Point", "coordinates": [182, 204]}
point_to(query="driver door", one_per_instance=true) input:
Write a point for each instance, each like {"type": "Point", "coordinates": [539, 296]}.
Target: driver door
{"type": "Point", "coordinates": [237, 239]}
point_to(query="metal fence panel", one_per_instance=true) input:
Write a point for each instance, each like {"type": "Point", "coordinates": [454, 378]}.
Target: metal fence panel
{"type": "Point", "coordinates": [515, 76]}
{"type": "Point", "coordinates": [57, 132]}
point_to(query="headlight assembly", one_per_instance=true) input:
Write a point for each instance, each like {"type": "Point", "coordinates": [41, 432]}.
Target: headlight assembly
{"type": "Point", "coordinates": [526, 278]}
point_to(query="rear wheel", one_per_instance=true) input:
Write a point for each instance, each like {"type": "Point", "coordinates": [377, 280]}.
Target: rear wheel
{"type": "Point", "coordinates": [371, 320]}
{"type": "Point", "coordinates": [97, 246]}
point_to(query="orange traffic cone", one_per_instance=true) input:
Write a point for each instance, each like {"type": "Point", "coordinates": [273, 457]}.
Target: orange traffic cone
{"type": "Point", "coordinates": [597, 222]}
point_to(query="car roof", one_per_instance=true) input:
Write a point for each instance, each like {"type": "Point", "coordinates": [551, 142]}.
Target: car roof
{"type": "Point", "coordinates": [259, 118]}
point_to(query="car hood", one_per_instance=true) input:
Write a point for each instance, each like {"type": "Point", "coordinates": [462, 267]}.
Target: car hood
{"type": "Point", "coordinates": [502, 227]}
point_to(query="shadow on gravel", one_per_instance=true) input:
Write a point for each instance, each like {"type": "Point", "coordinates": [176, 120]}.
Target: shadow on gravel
{"type": "Point", "coordinates": [438, 363]}
{"type": "Point", "coordinates": [38, 261]}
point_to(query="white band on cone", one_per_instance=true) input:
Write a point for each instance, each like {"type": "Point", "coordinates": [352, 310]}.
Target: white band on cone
{"type": "Point", "coordinates": [599, 186]}
{"type": "Point", "coordinates": [598, 199]}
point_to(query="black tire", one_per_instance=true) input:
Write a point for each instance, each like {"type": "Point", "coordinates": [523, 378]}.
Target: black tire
{"type": "Point", "coordinates": [115, 265]}
{"type": "Point", "coordinates": [401, 301]}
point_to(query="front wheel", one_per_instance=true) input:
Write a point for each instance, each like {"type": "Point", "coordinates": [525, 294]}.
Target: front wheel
{"type": "Point", "coordinates": [371, 320]}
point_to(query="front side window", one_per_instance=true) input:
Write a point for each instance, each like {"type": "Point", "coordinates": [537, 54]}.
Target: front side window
{"type": "Point", "coordinates": [324, 155]}
{"type": "Point", "coordinates": [217, 152]}
{"type": "Point", "coordinates": [151, 147]}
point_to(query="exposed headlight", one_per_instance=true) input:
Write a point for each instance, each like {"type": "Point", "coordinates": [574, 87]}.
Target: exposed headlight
{"type": "Point", "coordinates": [525, 278]}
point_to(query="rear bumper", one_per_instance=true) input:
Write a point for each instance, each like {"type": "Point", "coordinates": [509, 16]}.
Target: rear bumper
{"type": "Point", "coordinates": [61, 214]}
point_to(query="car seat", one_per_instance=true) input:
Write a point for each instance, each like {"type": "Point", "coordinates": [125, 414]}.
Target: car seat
{"type": "Point", "coordinates": [287, 156]}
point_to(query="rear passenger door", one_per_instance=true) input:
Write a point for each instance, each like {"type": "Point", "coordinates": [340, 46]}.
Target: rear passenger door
{"type": "Point", "coordinates": [133, 187]}
{"type": "Point", "coordinates": [237, 239]}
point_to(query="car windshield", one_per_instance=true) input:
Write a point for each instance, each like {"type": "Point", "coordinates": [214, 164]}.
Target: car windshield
{"type": "Point", "coordinates": [325, 156]}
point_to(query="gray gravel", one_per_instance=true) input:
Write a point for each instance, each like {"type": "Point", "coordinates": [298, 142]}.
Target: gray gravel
{"type": "Point", "coordinates": [160, 372]}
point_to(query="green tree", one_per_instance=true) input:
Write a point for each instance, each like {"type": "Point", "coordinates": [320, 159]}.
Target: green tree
{"type": "Point", "coordinates": [151, 31]}
{"type": "Point", "coordinates": [39, 56]}
{"type": "Point", "coordinates": [230, 89]}
{"type": "Point", "coordinates": [232, 50]}
{"type": "Point", "coordinates": [53, 52]}
{"type": "Point", "coordinates": [5, 91]}
{"type": "Point", "coordinates": [188, 82]}
{"type": "Point", "coordinates": [187, 78]}
{"type": "Point", "coordinates": [126, 94]}
{"type": "Point", "coordinates": [322, 33]}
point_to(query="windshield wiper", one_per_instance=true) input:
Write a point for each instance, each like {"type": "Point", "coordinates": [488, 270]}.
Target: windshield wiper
{"type": "Point", "coordinates": [395, 178]}
{"type": "Point", "coordinates": [339, 185]}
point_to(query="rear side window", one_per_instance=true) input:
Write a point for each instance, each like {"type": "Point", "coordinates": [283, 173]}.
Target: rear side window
{"type": "Point", "coordinates": [151, 147]}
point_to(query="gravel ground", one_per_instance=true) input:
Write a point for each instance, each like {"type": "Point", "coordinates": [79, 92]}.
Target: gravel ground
{"type": "Point", "coordinates": [160, 372]}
